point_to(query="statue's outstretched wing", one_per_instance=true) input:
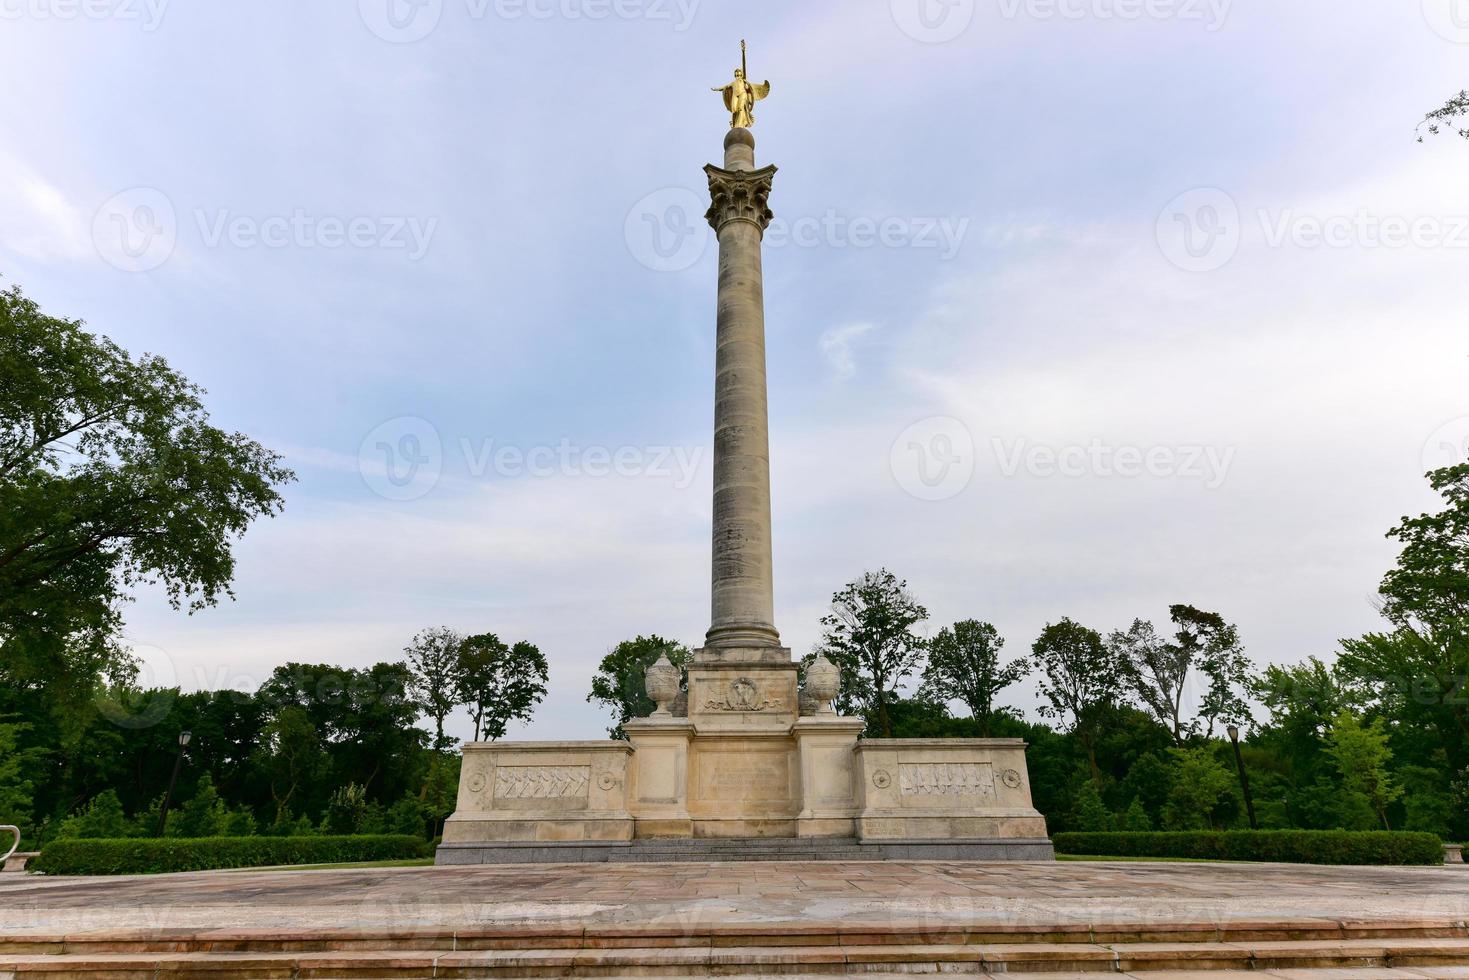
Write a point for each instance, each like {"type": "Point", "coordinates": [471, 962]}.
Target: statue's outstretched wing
{"type": "Point", "coordinates": [761, 90]}
{"type": "Point", "coordinates": [728, 91]}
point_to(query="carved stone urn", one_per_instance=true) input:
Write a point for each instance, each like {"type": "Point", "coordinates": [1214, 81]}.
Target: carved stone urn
{"type": "Point", "coordinates": [823, 683]}
{"type": "Point", "coordinates": [661, 682]}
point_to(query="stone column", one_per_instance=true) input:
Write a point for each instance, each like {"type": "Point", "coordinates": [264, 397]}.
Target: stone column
{"type": "Point", "coordinates": [743, 605]}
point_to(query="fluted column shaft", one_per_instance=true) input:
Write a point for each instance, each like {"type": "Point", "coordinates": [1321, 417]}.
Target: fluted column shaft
{"type": "Point", "coordinates": [743, 606]}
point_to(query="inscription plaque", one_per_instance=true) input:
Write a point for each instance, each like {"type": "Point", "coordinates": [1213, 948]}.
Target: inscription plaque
{"type": "Point", "coordinates": [740, 778]}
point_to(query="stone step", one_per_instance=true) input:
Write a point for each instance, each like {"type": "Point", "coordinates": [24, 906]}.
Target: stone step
{"type": "Point", "coordinates": [572, 935]}
{"type": "Point", "coordinates": [715, 849]}
{"type": "Point", "coordinates": [1357, 959]}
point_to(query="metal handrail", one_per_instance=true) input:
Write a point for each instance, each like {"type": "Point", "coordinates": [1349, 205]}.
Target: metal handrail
{"type": "Point", "coordinates": [15, 832]}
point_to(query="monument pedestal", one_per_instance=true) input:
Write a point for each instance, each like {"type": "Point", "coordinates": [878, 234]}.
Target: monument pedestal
{"type": "Point", "coordinates": [807, 789]}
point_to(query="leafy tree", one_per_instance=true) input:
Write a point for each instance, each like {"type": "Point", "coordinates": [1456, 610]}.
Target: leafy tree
{"type": "Point", "coordinates": [1203, 793]}
{"type": "Point", "coordinates": [1155, 672]}
{"type": "Point", "coordinates": [500, 684]}
{"type": "Point", "coordinates": [1303, 698]}
{"type": "Point", "coordinates": [618, 683]}
{"type": "Point", "coordinates": [1080, 681]}
{"type": "Point", "coordinates": [1427, 803]}
{"type": "Point", "coordinates": [1446, 115]}
{"type": "Point", "coordinates": [1148, 783]}
{"type": "Point", "coordinates": [870, 635]}
{"type": "Point", "coordinates": [240, 822]}
{"type": "Point", "coordinates": [17, 763]}
{"type": "Point", "coordinates": [441, 789]}
{"type": "Point", "coordinates": [1135, 819]}
{"type": "Point", "coordinates": [102, 817]}
{"type": "Point", "coordinates": [407, 816]}
{"type": "Point", "coordinates": [364, 719]}
{"type": "Point", "coordinates": [1418, 670]}
{"type": "Point", "coordinates": [964, 665]}
{"type": "Point", "coordinates": [289, 757]}
{"type": "Point", "coordinates": [1211, 644]}
{"type": "Point", "coordinates": [347, 811]}
{"type": "Point", "coordinates": [1158, 672]}
{"type": "Point", "coordinates": [1362, 757]}
{"type": "Point", "coordinates": [1091, 813]}
{"type": "Point", "coordinates": [437, 676]}
{"type": "Point", "coordinates": [204, 815]}
{"type": "Point", "coordinates": [110, 475]}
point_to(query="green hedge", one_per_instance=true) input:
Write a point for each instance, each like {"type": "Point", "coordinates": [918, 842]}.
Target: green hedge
{"type": "Point", "coordinates": [1290, 846]}
{"type": "Point", "coordinates": [149, 855]}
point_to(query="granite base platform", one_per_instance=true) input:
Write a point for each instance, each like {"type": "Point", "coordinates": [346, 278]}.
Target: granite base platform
{"type": "Point", "coordinates": [745, 849]}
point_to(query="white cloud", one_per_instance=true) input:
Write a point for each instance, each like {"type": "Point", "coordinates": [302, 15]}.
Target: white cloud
{"type": "Point", "coordinates": [40, 221]}
{"type": "Point", "coordinates": [837, 347]}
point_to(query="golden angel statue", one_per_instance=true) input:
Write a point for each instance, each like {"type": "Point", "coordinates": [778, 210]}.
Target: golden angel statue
{"type": "Point", "coordinates": [740, 96]}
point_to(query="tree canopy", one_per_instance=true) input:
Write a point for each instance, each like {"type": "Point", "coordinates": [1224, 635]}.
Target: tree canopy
{"type": "Point", "coordinates": [111, 475]}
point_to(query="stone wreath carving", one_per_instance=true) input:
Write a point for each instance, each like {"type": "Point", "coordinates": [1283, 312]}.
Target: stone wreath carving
{"type": "Point", "coordinates": [606, 780]}
{"type": "Point", "coordinates": [882, 779]}
{"type": "Point", "coordinates": [476, 783]}
{"type": "Point", "coordinates": [743, 695]}
{"type": "Point", "coordinates": [1011, 778]}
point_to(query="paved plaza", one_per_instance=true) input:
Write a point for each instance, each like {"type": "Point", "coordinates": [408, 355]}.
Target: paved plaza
{"type": "Point", "coordinates": [827, 895]}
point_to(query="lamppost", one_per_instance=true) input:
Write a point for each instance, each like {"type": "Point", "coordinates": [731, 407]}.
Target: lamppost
{"type": "Point", "coordinates": [168, 796]}
{"type": "Point", "coordinates": [1244, 778]}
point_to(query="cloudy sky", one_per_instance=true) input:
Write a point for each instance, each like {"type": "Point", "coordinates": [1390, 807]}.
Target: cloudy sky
{"type": "Point", "coordinates": [1075, 307]}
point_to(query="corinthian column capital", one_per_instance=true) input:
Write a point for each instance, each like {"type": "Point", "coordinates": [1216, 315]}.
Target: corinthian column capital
{"type": "Point", "coordinates": [739, 195]}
